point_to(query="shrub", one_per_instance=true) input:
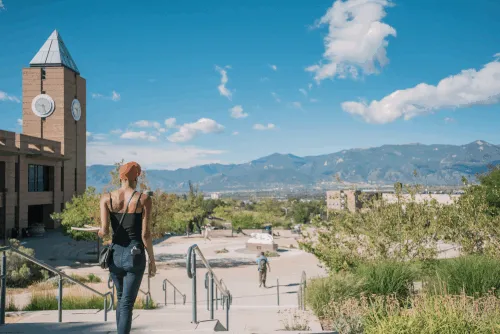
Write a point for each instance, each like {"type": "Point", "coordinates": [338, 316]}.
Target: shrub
{"type": "Point", "coordinates": [433, 315]}
{"type": "Point", "coordinates": [20, 271]}
{"type": "Point", "coordinates": [322, 291]}
{"type": "Point", "coordinates": [271, 254]}
{"type": "Point", "coordinates": [473, 275]}
{"type": "Point", "coordinates": [387, 278]}
{"type": "Point", "coordinates": [295, 321]}
{"type": "Point", "coordinates": [47, 300]}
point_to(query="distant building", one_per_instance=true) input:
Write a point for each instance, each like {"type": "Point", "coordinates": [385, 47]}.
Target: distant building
{"type": "Point", "coordinates": [420, 198]}
{"type": "Point", "coordinates": [351, 200]}
{"type": "Point", "coordinates": [355, 200]}
{"type": "Point", "coordinates": [215, 196]}
{"type": "Point", "coordinates": [44, 166]}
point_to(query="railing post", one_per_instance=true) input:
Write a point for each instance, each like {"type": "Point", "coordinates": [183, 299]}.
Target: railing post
{"type": "Point", "coordinates": [165, 287]}
{"type": "Point", "coordinates": [175, 294]}
{"type": "Point", "coordinates": [60, 298]}
{"type": "Point", "coordinates": [228, 302]}
{"type": "Point", "coordinates": [193, 268]}
{"type": "Point", "coordinates": [216, 298]}
{"type": "Point", "coordinates": [208, 292]}
{"type": "Point", "coordinates": [4, 290]}
{"type": "Point", "coordinates": [211, 296]}
{"type": "Point", "coordinates": [105, 308]}
{"type": "Point", "coordinates": [278, 290]}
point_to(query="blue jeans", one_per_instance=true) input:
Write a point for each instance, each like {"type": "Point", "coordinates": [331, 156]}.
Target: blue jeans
{"type": "Point", "coordinates": [126, 271]}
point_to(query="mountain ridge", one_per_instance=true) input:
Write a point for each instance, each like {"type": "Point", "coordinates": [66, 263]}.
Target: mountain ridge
{"type": "Point", "coordinates": [435, 164]}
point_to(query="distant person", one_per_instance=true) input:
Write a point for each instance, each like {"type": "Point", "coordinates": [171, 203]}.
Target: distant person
{"type": "Point", "coordinates": [130, 242]}
{"type": "Point", "coordinates": [207, 233]}
{"type": "Point", "coordinates": [263, 263]}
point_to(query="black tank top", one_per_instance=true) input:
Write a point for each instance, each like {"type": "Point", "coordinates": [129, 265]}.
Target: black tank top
{"type": "Point", "coordinates": [131, 228]}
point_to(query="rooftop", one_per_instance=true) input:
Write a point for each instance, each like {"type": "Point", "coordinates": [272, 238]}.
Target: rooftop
{"type": "Point", "coordinates": [54, 53]}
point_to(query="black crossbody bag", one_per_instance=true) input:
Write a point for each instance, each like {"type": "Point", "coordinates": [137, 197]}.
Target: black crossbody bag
{"type": "Point", "coordinates": [106, 253]}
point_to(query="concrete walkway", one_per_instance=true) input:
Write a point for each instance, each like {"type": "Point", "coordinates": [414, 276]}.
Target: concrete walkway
{"type": "Point", "coordinates": [173, 319]}
{"type": "Point", "coordinates": [254, 309]}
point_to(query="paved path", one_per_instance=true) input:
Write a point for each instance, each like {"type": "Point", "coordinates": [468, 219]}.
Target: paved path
{"type": "Point", "coordinates": [173, 319]}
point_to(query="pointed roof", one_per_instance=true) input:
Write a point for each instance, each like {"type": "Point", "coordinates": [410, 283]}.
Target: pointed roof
{"type": "Point", "coordinates": [54, 53]}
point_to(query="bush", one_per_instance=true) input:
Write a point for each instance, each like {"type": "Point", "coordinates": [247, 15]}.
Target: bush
{"type": "Point", "coordinates": [322, 291]}
{"type": "Point", "coordinates": [473, 275]}
{"type": "Point", "coordinates": [434, 315]}
{"type": "Point", "coordinates": [387, 278]}
{"type": "Point", "coordinates": [20, 271]}
{"type": "Point", "coordinates": [46, 300]}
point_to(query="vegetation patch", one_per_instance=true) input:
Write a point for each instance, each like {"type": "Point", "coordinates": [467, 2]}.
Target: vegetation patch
{"type": "Point", "coordinates": [221, 251]}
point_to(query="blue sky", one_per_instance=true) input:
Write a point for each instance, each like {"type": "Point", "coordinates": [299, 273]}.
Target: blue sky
{"type": "Point", "coordinates": [146, 64]}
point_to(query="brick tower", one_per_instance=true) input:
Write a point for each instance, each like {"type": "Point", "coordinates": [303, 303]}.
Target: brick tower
{"type": "Point", "coordinates": [54, 108]}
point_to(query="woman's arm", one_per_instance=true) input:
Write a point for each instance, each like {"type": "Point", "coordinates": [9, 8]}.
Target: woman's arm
{"type": "Point", "coordinates": [104, 216]}
{"type": "Point", "coordinates": [147, 239]}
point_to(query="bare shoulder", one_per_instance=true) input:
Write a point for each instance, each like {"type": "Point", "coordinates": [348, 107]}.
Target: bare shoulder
{"type": "Point", "coordinates": [105, 198]}
{"type": "Point", "coordinates": [145, 199]}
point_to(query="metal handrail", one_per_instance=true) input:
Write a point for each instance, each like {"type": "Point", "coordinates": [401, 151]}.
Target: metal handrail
{"type": "Point", "coordinates": [214, 282]}
{"type": "Point", "coordinates": [61, 275]}
{"type": "Point", "coordinates": [165, 281]}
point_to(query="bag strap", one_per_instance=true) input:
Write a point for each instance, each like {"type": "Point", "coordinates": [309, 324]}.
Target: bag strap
{"type": "Point", "coordinates": [123, 216]}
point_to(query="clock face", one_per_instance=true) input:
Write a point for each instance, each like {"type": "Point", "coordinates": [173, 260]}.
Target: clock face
{"type": "Point", "coordinates": [42, 105]}
{"type": "Point", "coordinates": [76, 109]}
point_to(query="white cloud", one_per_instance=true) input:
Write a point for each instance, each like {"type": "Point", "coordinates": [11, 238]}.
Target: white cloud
{"type": "Point", "coordinates": [151, 156]}
{"type": "Point", "coordinates": [116, 131]}
{"type": "Point", "coordinates": [188, 131]}
{"type": "Point", "coordinates": [263, 79]}
{"type": "Point", "coordinates": [170, 123]}
{"type": "Point", "coordinates": [223, 90]}
{"type": "Point", "coordinates": [297, 105]}
{"type": "Point", "coordinates": [276, 97]}
{"type": "Point", "coordinates": [237, 112]}
{"type": "Point", "coordinates": [449, 120]}
{"type": "Point", "coordinates": [303, 91]}
{"type": "Point", "coordinates": [262, 127]}
{"type": "Point", "coordinates": [310, 86]}
{"type": "Point", "coordinates": [138, 135]}
{"type": "Point", "coordinates": [1, 4]}
{"type": "Point", "coordinates": [356, 39]}
{"type": "Point", "coordinates": [313, 100]}
{"type": "Point", "coordinates": [91, 137]}
{"type": "Point", "coordinates": [113, 97]}
{"type": "Point", "coordinates": [235, 133]}
{"type": "Point", "coordinates": [6, 97]}
{"type": "Point", "coordinates": [147, 124]}
{"type": "Point", "coordinates": [273, 67]}
{"type": "Point", "coordinates": [468, 88]}
{"type": "Point", "coordinates": [19, 121]}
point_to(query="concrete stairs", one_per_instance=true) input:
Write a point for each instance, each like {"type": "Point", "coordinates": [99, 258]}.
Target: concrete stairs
{"type": "Point", "coordinates": [249, 319]}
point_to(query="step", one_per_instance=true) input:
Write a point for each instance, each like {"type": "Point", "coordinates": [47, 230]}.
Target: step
{"type": "Point", "coordinates": [110, 328]}
{"type": "Point", "coordinates": [242, 319]}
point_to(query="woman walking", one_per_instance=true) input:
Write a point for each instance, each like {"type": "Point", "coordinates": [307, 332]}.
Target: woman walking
{"type": "Point", "coordinates": [128, 212]}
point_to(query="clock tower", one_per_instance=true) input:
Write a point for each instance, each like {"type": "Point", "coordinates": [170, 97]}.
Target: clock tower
{"type": "Point", "coordinates": [54, 108]}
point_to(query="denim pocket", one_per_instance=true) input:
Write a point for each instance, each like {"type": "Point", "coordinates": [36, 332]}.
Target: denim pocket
{"type": "Point", "coordinates": [138, 260]}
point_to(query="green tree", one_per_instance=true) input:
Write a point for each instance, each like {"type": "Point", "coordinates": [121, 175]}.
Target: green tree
{"type": "Point", "coordinates": [490, 182]}
{"type": "Point", "coordinates": [80, 211]}
{"type": "Point", "coordinates": [401, 231]}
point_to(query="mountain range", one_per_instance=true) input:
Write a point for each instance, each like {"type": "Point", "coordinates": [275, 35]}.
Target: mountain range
{"type": "Point", "coordinates": [434, 165]}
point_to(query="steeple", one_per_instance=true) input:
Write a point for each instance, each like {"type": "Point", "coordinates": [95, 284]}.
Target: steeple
{"type": "Point", "coordinates": [54, 53]}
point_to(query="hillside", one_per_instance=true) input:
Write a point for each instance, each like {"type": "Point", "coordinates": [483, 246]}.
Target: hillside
{"type": "Point", "coordinates": [435, 165]}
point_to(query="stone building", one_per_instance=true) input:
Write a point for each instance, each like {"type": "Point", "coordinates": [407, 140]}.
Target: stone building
{"type": "Point", "coordinates": [44, 166]}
